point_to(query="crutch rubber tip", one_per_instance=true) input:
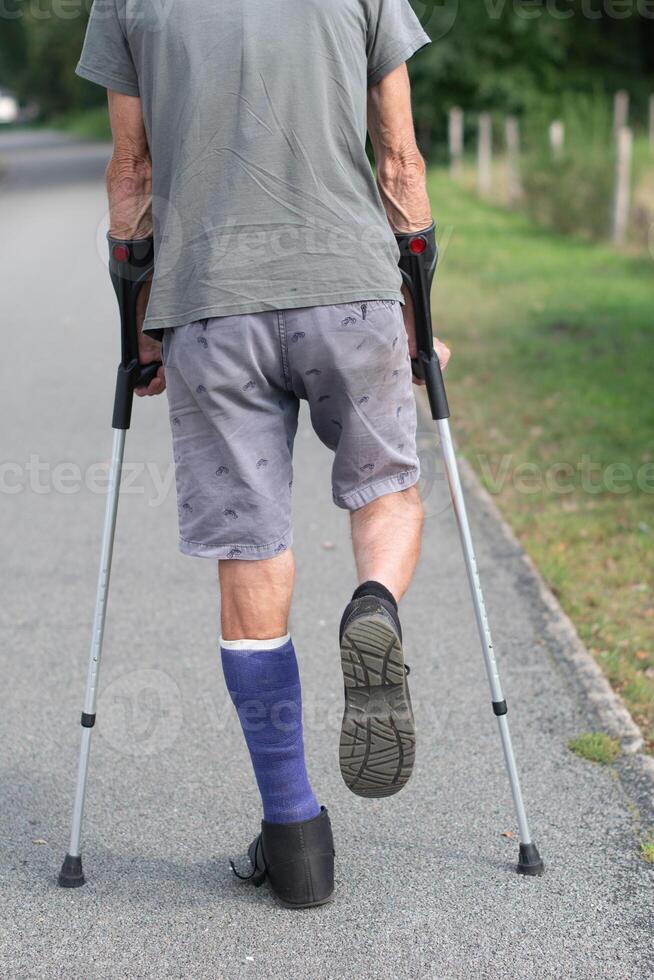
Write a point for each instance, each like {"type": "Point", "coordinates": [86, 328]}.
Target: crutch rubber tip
{"type": "Point", "coordinates": [530, 861]}
{"type": "Point", "coordinates": [71, 874]}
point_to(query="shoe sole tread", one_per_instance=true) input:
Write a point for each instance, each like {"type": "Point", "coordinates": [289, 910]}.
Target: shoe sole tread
{"type": "Point", "coordinates": [377, 745]}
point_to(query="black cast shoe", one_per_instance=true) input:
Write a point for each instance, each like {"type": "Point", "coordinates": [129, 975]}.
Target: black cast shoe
{"type": "Point", "coordinates": [378, 735]}
{"type": "Point", "coordinates": [297, 859]}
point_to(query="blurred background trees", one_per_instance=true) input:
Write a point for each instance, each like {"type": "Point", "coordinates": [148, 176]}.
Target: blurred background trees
{"type": "Point", "coordinates": [504, 55]}
{"type": "Point", "coordinates": [39, 49]}
{"type": "Point", "coordinates": [500, 57]}
{"type": "Point", "coordinates": [13, 46]}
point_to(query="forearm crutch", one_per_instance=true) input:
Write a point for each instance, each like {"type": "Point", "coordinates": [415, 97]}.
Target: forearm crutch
{"type": "Point", "coordinates": [130, 266]}
{"type": "Point", "coordinates": [418, 258]}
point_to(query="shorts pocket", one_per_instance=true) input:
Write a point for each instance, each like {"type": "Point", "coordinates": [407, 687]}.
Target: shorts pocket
{"type": "Point", "coordinates": [367, 306]}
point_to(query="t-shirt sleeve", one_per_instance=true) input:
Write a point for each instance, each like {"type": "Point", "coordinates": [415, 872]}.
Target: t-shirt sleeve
{"type": "Point", "coordinates": [106, 58]}
{"type": "Point", "coordinates": [394, 35]}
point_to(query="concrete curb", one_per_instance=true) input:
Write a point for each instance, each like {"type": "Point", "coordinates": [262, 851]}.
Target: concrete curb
{"type": "Point", "coordinates": [605, 703]}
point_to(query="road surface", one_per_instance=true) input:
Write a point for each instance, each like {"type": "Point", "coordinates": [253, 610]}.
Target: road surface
{"type": "Point", "coordinates": [426, 880]}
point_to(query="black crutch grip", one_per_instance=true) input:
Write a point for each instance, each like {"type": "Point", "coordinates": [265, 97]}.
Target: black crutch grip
{"type": "Point", "coordinates": [131, 263]}
{"type": "Point", "coordinates": [433, 377]}
{"type": "Point", "coordinates": [418, 260]}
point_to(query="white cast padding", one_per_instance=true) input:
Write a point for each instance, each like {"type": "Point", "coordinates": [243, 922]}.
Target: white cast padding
{"type": "Point", "coordinates": [274, 644]}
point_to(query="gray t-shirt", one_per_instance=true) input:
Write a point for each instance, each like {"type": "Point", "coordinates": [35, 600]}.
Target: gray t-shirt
{"type": "Point", "coordinates": [255, 112]}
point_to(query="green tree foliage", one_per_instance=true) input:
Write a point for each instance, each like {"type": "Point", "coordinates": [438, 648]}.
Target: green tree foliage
{"type": "Point", "coordinates": [53, 48]}
{"type": "Point", "coordinates": [13, 43]}
{"type": "Point", "coordinates": [526, 56]}
{"type": "Point", "coordinates": [40, 44]}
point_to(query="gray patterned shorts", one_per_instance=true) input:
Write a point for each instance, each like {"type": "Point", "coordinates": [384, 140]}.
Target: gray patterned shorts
{"type": "Point", "coordinates": [234, 388]}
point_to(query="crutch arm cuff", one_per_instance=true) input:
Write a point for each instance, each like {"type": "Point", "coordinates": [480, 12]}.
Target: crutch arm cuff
{"type": "Point", "coordinates": [131, 258]}
{"type": "Point", "coordinates": [131, 265]}
{"type": "Point", "coordinates": [418, 260]}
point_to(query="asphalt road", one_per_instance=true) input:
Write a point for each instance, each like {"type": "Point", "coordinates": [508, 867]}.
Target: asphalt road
{"type": "Point", "coordinates": [426, 880]}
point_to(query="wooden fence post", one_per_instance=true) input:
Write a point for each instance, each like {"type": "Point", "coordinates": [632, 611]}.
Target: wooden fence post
{"type": "Point", "coordinates": [485, 154]}
{"type": "Point", "coordinates": [513, 180]}
{"type": "Point", "coordinates": [622, 198]}
{"type": "Point", "coordinates": [557, 138]}
{"type": "Point", "coordinates": [456, 142]}
{"type": "Point", "coordinates": [620, 111]}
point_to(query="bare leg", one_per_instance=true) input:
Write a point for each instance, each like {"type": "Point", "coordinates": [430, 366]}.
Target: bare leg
{"type": "Point", "coordinates": [256, 597]}
{"type": "Point", "coordinates": [378, 736]}
{"type": "Point", "coordinates": [386, 538]}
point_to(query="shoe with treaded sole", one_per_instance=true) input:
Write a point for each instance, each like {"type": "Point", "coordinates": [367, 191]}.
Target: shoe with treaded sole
{"type": "Point", "coordinates": [378, 736]}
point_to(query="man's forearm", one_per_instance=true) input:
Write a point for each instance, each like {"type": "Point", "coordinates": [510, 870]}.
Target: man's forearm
{"type": "Point", "coordinates": [129, 188]}
{"type": "Point", "coordinates": [401, 172]}
{"type": "Point", "coordinates": [402, 181]}
{"type": "Point", "coordinates": [129, 174]}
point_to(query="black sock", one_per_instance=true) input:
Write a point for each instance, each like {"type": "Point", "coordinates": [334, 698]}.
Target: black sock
{"type": "Point", "coordinates": [380, 592]}
{"type": "Point", "coordinates": [377, 589]}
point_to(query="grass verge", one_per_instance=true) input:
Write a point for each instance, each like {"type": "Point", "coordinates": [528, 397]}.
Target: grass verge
{"type": "Point", "coordinates": [596, 747]}
{"type": "Point", "coordinates": [551, 394]}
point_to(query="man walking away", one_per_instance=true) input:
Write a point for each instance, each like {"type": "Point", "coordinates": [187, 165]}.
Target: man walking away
{"type": "Point", "coordinates": [239, 143]}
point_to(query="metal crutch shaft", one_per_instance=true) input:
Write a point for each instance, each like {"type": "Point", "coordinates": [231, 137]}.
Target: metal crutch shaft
{"type": "Point", "coordinates": [418, 258]}
{"type": "Point", "coordinates": [71, 872]}
{"type": "Point", "coordinates": [130, 265]}
{"type": "Point", "coordinates": [529, 860]}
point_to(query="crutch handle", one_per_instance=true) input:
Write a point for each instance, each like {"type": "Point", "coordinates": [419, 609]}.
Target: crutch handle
{"type": "Point", "coordinates": [131, 263]}
{"type": "Point", "coordinates": [418, 260]}
{"type": "Point", "coordinates": [432, 374]}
